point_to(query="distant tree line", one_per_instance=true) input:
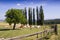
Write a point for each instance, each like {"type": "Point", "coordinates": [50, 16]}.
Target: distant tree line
{"type": "Point", "coordinates": [52, 21]}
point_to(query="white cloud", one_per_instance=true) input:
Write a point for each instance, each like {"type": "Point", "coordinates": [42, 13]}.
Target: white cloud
{"type": "Point", "coordinates": [18, 4]}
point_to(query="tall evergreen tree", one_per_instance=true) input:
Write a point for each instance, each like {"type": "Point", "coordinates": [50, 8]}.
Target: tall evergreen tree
{"type": "Point", "coordinates": [37, 15]}
{"type": "Point", "coordinates": [41, 16]}
{"type": "Point", "coordinates": [25, 13]}
{"type": "Point", "coordinates": [30, 16]}
{"type": "Point", "coordinates": [33, 16]}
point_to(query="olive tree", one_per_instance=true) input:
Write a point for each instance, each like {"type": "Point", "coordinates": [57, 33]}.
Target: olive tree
{"type": "Point", "coordinates": [15, 16]}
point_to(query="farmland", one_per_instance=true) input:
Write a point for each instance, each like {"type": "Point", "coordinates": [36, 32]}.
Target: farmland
{"type": "Point", "coordinates": [7, 32]}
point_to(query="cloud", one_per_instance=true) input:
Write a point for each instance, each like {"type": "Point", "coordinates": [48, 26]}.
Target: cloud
{"type": "Point", "coordinates": [18, 4]}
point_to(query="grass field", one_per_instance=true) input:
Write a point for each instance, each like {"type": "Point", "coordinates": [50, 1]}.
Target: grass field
{"type": "Point", "coordinates": [56, 37]}
{"type": "Point", "coordinates": [7, 32]}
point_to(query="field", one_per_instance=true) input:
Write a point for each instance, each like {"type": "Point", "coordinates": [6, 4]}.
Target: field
{"type": "Point", "coordinates": [7, 32]}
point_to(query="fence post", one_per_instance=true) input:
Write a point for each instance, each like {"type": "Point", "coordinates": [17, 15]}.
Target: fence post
{"type": "Point", "coordinates": [37, 35]}
{"type": "Point", "coordinates": [55, 29]}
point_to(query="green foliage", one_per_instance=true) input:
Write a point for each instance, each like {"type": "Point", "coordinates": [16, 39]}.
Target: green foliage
{"type": "Point", "coordinates": [15, 16]}
{"type": "Point", "coordinates": [30, 16]}
{"type": "Point", "coordinates": [41, 16]}
{"type": "Point", "coordinates": [25, 13]}
{"type": "Point", "coordinates": [34, 16]}
{"type": "Point", "coordinates": [9, 21]}
{"type": "Point", "coordinates": [37, 15]}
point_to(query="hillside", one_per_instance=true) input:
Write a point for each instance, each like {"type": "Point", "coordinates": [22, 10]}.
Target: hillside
{"type": "Point", "coordinates": [52, 21]}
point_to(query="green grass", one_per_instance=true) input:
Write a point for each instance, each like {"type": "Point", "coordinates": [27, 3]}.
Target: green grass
{"type": "Point", "coordinates": [55, 37]}
{"type": "Point", "coordinates": [7, 32]}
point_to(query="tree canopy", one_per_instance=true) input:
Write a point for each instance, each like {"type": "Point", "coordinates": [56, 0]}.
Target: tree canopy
{"type": "Point", "coordinates": [15, 16]}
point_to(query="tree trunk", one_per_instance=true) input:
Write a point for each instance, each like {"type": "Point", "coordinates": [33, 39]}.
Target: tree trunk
{"type": "Point", "coordinates": [14, 26]}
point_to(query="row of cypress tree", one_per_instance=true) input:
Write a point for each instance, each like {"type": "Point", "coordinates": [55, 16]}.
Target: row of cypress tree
{"type": "Point", "coordinates": [31, 16]}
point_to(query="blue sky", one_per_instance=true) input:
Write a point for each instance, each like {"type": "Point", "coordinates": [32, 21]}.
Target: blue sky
{"type": "Point", "coordinates": [51, 7]}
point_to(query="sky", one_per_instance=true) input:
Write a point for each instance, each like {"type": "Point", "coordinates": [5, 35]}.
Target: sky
{"type": "Point", "coordinates": [51, 8]}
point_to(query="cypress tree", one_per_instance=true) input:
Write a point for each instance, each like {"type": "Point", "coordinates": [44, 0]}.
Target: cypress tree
{"type": "Point", "coordinates": [33, 16]}
{"type": "Point", "coordinates": [25, 12]}
{"type": "Point", "coordinates": [37, 15]}
{"type": "Point", "coordinates": [30, 16]}
{"type": "Point", "coordinates": [41, 16]}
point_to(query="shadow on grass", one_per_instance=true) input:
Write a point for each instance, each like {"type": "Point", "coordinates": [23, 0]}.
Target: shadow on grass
{"type": "Point", "coordinates": [7, 29]}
